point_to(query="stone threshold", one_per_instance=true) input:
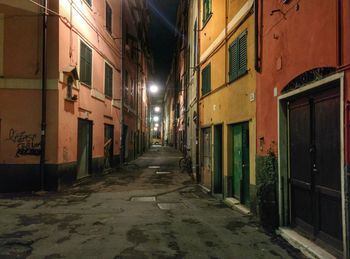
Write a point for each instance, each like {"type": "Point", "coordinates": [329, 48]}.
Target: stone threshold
{"type": "Point", "coordinates": [236, 205]}
{"type": "Point", "coordinates": [306, 246]}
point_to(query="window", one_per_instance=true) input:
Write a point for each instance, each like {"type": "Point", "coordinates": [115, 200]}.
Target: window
{"type": "Point", "coordinates": [108, 18]}
{"type": "Point", "coordinates": [206, 80]}
{"type": "Point", "coordinates": [126, 87]}
{"type": "Point", "coordinates": [89, 2]}
{"type": "Point", "coordinates": [85, 64]}
{"type": "Point", "coordinates": [238, 57]}
{"type": "Point", "coordinates": [108, 80]}
{"type": "Point", "coordinates": [206, 11]}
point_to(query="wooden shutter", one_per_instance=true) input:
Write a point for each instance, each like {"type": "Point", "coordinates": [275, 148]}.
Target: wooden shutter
{"type": "Point", "coordinates": [108, 18]}
{"type": "Point", "coordinates": [206, 80]}
{"type": "Point", "coordinates": [233, 60]}
{"type": "Point", "coordinates": [85, 64]}
{"type": "Point", "coordinates": [242, 47]}
{"type": "Point", "coordinates": [108, 80]}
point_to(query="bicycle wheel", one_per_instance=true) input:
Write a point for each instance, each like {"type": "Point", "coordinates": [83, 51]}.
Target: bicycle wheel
{"type": "Point", "coordinates": [182, 163]}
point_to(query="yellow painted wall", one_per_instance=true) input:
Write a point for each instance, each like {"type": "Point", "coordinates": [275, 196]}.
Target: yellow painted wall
{"type": "Point", "coordinates": [228, 103]}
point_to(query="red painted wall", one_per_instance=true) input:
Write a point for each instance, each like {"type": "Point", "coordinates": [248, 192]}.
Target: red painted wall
{"type": "Point", "coordinates": [294, 38]}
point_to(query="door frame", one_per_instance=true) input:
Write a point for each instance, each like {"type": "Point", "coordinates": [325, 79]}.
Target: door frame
{"type": "Point", "coordinates": [283, 152]}
{"type": "Point", "coordinates": [90, 155]}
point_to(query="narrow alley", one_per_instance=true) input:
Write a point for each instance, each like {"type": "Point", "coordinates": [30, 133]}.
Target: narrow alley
{"type": "Point", "coordinates": [133, 213]}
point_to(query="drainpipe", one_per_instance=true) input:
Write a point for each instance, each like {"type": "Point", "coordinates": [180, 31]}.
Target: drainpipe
{"type": "Point", "coordinates": [43, 97]}
{"type": "Point", "coordinates": [198, 175]}
{"type": "Point", "coordinates": [256, 36]}
{"type": "Point", "coordinates": [122, 22]}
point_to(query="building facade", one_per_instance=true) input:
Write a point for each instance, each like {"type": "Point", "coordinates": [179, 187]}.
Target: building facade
{"type": "Point", "coordinates": [227, 100]}
{"type": "Point", "coordinates": [303, 116]}
{"type": "Point", "coordinates": [65, 83]}
{"type": "Point", "coordinates": [136, 70]}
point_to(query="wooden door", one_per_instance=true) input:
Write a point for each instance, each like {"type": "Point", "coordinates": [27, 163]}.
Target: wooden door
{"type": "Point", "coordinates": [84, 154]}
{"type": "Point", "coordinates": [314, 124]}
{"type": "Point", "coordinates": [241, 162]}
{"type": "Point", "coordinates": [108, 146]}
{"type": "Point", "coordinates": [206, 158]}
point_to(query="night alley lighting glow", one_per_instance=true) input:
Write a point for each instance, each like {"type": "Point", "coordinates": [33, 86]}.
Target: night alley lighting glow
{"type": "Point", "coordinates": [155, 128]}
{"type": "Point", "coordinates": [154, 89]}
{"type": "Point", "coordinates": [157, 109]}
{"type": "Point", "coordinates": [156, 125]}
{"type": "Point", "coordinates": [155, 118]}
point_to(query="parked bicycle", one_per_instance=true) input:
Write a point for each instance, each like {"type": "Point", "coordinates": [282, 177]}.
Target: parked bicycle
{"type": "Point", "coordinates": [185, 163]}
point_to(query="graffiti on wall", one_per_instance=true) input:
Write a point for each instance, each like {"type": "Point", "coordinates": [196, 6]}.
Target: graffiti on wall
{"type": "Point", "coordinates": [26, 143]}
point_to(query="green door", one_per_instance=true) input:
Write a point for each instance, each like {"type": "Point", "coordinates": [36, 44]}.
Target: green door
{"type": "Point", "coordinates": [84, 154]}
{"type": "Point", "coordinates": [240, 159]}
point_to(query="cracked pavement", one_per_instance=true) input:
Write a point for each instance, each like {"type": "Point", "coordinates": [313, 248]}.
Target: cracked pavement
{"type": "Point", "coordinates": [98, 218]}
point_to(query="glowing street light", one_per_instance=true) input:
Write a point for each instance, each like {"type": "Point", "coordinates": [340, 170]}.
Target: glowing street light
{"type": "Point", "coordinates": [156, 118]}
{"type": "Point", "coordinates": [156, 125]}
{"type": "Point", "coordinates": [154, 89]}
{"type": "Point", "coordinates": [155, 128]}
{"type": "Point", "coordinates": [157, 109]}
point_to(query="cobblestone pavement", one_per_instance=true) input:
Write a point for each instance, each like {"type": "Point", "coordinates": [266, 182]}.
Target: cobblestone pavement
{"type": "Point", "coordinates": [133, 213]}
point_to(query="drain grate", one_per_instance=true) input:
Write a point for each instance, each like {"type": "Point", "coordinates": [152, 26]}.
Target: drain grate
{"type": "Point", "coordinates": [154, 167]}
{"type": "Point", "coordinates": [144, 199]}
{"type": "Point", "coordinates": [171, 206]}
{"type": "Point", "coordinates": [160, 173]}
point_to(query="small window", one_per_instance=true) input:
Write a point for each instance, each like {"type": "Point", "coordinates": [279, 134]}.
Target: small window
{"type": "Point", "coordinates": [206, 80]}
{"type": "Point", "coordinates": [238, 57]}
{"type": "Point", "coordinates": [108, 18]}
{"type": "Point", "coordinates": [70, 81]}
{"type": "Point", "coordinates": [108, 80]}
{"type": "Point", "coordinates": [206, 11]}
{"type": "Point", "coordinates": [126, 87]}
{"type": "Point", "coordinates": [85, 64]}
{"type": "Point", "coordinates": [89, 2]}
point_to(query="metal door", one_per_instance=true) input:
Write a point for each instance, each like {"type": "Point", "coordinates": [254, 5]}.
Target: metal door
{"type": "Point", "coordinates": [240, 133]}
{"type": "Point", "coordinates": [314, 128]}
{"type": "Point", "coordinates": [206, 158]}
{"type": "Point", "coordinates": [108, 146]}
{"type": "Point", "coordinates": [218, 159]}
{"type": "Point", "coordinates": [84, 154]}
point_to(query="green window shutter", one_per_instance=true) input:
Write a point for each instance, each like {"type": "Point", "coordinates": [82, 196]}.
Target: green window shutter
{"type": "Point", "coordinates": [108, 18]}
{"type": "Point", "coordinates": [108, 80]}
{"type": "Point", "coordinates": [242, 47]}
{"type": "Point", "coordinates": [233, 60]}
{"type": "Point", "coordinates": [85, 64]}
{"type": "Point", "coordinates": [206, 10]}
{"type": "Point", "coordinates": [206, 80]}
{"type": "Point", "coordinates": [88, 2]}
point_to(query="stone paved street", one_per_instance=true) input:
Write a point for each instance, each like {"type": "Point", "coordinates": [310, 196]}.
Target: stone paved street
{"type": "Point", "coordinates": [133, 213]}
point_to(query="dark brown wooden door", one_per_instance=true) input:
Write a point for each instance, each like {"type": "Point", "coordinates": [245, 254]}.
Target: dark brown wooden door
{"type": "Point", "coordinates": [314, 124]}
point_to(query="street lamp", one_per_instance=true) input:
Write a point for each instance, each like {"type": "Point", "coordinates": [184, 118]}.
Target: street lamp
{"type": "Point", "coordinates": [156, 125]}
{"type": "Point", "coordinates": [157, 109]}
{"type": "Point", "coordinates": [156, 118]}
{"type": "Point", "coordinates": [154, 89]}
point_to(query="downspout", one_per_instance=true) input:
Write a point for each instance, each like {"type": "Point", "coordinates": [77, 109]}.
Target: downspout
{"type": "Point", "coordinates": [256, 36]}
{"type": "Point", "coordinates": [198, 175]}
{"type": "Point", "coordinates": [43, 98]}
{"type": "Point", "coordinates": [122, 86]}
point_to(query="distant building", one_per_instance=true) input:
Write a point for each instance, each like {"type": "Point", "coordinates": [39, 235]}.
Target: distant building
{"type": "Point", "coordinates": [136, 70]}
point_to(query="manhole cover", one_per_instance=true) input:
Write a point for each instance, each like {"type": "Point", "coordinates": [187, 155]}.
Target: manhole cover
{"type": "Point", "coordinates": [163, 172]}
{"type": "Point", "coordinates": [171, 206]}
{"type": "Point", "coordinates": [144, 199]}
{"type": "Point", "coordinates": [154, 167]}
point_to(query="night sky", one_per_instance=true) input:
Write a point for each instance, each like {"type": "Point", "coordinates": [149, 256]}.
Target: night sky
{"type": "Point", "coordinates": [162, 36]}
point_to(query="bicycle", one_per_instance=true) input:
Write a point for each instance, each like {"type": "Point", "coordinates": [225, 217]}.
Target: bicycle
{"type": "Point", "coordinates": [185, 163]}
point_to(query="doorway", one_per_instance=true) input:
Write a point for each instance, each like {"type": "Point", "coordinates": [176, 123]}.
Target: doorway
{"type": "Point", "coordinates": [218, 159]}
{"type": "Point", "coordinates": [108, 146]}
{"type": "Point", "coordinates": [206, 158]}
{"type": "Point", "coordinates": [314, 158]}
{"type": "Point", "coordinates": [240, 162]}
{"type": "Point", "coordinates": [84, 154]}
